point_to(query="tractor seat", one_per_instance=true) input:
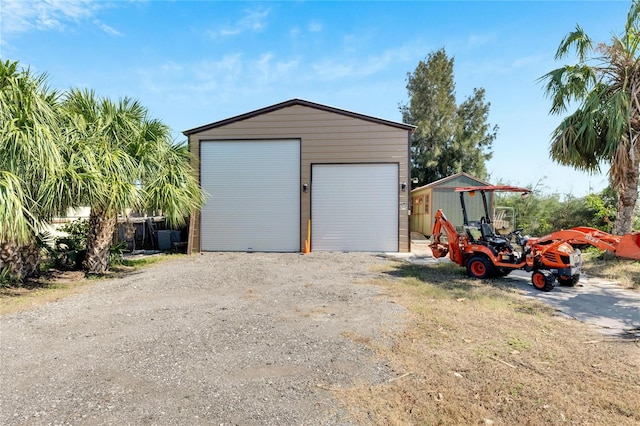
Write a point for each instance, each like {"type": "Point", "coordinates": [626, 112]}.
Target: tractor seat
{"type": "Point", "coordinates": [490, 237]}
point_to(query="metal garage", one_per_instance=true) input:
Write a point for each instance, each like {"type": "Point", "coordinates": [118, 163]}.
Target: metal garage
{"type": "Point", "coordinates": [254, 196]}
{"type": "Point", "coordinates": [354, 207]}
{"type": "Point", "coordinates": [271, 172]}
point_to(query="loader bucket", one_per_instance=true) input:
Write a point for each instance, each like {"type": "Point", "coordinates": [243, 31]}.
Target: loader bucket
{"type": "Point", "coordinates": [629, 246]}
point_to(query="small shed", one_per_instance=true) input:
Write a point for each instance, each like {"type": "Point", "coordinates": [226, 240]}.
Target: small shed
{"type": "Point", "coordinates": [427, 199]}
{"type": "Point", "coordinates": [278, 175]}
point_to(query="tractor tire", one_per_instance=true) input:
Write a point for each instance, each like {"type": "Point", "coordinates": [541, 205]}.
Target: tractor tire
{"type": "Point", "coordinates": [569, 281]}
{"type": "Point", "coordinates": [543, 282]}
{"type": "Point", "coordinates": [480, 267]}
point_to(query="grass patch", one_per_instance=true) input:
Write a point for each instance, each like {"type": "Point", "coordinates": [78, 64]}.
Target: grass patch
{"type": "Point", "coordinates": [54, 285]}
{"type": "Point", "coordinates": [146, 261]}
{"type": "Point", "coordinates": [476, 352]}
{"type": "Point", "coordinates": [624, 271]}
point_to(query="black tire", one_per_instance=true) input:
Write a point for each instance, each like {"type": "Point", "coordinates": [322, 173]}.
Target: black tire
{"type": "Point", "coordinates": [569, 281]}
{"type": "Point", "coordinates": [503, 272]}
{"type": "Point", "coordinates": [543, 282]}
{"type": "Point", "coordinates": [480, 267]}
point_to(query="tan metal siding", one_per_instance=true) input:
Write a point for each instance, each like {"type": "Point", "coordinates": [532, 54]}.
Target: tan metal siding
{"type": "Point", "coordinates": [326, 137]}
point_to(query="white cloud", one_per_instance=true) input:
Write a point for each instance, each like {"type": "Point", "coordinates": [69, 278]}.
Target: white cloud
{"type": "Point", "coordinates": [254, 20]}
{"type": "Point", "coordinates": [333, 69]}
{"type": "Point", "coordinates": [315, 26]}
{"type": "Point", "coordinates": [19, 16]}
{"type": "Point", "coordinates": [477, 40]}
{"type": "Point", "coordinates": [226, 69]}
{"type": "Point", "coordinates": [359, 67]}
{"type": "Point", "coordinates": [294, 32]}
{"type": "Point", "coordinates": [497, 66]}
{"type": "Point", "coordinates": [107, 29]}
{"type": "Point", "coordinates": [270, 71]}
{"type": "Point", "coordinates": [205, 81]}
{"type": "Point", "coordinates": [526, 61]}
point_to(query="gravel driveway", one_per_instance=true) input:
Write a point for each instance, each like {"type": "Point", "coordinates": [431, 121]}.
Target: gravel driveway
{"type": "Point", "coordinates": [217, 338]}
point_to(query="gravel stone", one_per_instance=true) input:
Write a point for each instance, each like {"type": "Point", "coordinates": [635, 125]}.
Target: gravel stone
{"type": "Point", "coordinates": [211, 339]}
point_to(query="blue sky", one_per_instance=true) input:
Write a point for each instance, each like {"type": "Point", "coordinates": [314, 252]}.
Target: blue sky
{"type": "Point", "coordinates": [196, 62]}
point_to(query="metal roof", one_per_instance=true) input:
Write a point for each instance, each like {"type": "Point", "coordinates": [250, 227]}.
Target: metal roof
{"type": "Point", "coordinates": [448, 178]}
{"type": "Point", "coordinates": [302, 102]}
{"type": "Point", "coordinates": [492, 188]}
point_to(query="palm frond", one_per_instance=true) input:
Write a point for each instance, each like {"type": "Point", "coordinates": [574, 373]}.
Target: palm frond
{"type": "Point", "coordinates": [18, 225]}
{"type": "Point", "coordinates": [570, 83]}
{"type": "Point", "coordinates": [631, 37]}
{"type": "Point", "coordinates": [576, 40]}
{"type": "Point", "coordinates": [174, 189]}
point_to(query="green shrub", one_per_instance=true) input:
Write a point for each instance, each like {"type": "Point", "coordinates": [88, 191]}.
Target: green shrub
{"type": "Point", "coordinates": [116, 252]}
{"type": "Point", "coordinates": [70, 250]}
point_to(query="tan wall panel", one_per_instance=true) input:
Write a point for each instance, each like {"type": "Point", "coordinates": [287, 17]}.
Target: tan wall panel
{"type": "Point", "coordinates": [326, 137]}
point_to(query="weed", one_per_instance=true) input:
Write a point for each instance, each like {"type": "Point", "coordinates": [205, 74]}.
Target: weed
{"type": "Point", "coordinates": [518, 344]}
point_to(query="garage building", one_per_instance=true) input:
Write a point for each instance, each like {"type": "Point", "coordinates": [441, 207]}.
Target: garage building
{"type": "Point", "coordinates": [270, 173]}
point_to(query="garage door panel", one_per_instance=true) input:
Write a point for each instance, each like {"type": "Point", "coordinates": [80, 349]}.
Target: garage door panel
{"type": "Point", "coordinates": [254, 195]}
{"type": "Point", "coordinates": [355, 207]}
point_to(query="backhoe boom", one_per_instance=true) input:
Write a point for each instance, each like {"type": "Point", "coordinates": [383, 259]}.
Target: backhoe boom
{"type": "Point", "coordinates": [439, 249]}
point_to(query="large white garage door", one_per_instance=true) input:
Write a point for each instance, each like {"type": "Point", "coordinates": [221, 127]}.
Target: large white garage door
{"type": "Point", "coordinates": [354, 207]}
{"type": "Point", "coordinates": [253, 201]}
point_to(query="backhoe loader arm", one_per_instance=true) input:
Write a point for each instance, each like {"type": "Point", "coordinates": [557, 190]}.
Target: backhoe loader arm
{"type": "Point", "coordinates": [626, 246]}
{"type": "Point", "coordinates": [439, 249]}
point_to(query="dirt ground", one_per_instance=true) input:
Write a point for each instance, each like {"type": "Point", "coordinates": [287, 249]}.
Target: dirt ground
{"type": "Point", "coordinates": [217, 338]}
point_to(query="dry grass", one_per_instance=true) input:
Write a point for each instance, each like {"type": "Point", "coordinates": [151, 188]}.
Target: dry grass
{"type": "Point", "coordinates": [626, 272]}
{"type": "Point", "coordinates": [475, 352]}
{"type": "Point", "coordinates": [48, 288]}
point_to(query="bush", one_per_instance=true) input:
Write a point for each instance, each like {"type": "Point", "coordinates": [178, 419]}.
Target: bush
{"type": "Point", "coordinates": [116, 252]}
{"type": "Point", "coordinates": [70, 250]}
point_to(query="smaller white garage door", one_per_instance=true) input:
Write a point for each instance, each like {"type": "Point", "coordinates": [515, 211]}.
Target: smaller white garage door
{"type": "Point", "coordinates": [354, 207]}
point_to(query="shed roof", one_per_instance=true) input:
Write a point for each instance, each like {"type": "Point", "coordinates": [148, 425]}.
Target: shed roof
{"type": "Point", "coordinates": [293, 102]}
{"type": "Point", "coordinates": [447, 179]}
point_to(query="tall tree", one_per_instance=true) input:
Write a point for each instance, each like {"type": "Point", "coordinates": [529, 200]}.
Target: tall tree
{"type": "Point", "coordinates": [604, 129]}
{"type": "Point", "coordinates": [448, 138]}
{"type": "Point", "coordinates": [29, 157]}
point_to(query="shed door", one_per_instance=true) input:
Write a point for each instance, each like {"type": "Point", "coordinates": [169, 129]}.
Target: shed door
{"type": "Point", "coordinates": [354, 207]}
{"type": "Point", "coordinates": [253, 195]}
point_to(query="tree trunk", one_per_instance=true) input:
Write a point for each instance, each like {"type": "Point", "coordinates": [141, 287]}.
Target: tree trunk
{"type": "Point", "coordinates": [628, 196]}
{"type": "Point", "coordinates": [102, 225]}
{"type": "Point", "coordinates": [10, 260]}
{"type": "Point", "coordinates": [30, 255]}
{"type": "Point", "coordinates": [20, 261]}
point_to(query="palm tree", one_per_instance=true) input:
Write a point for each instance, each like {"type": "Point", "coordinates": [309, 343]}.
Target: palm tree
{"type": "Point", "coordinates": [119, 159]}
{"type": "Point", "coordinates": [605, 82]}
{"type": "Point", "coordinates": [29, 156]}
{"type": "Point", "coordinates": [168, 180]}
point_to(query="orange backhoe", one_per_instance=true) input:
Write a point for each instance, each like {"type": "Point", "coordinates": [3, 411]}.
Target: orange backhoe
{"type": "Point", "coordinates": [553, 257]}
